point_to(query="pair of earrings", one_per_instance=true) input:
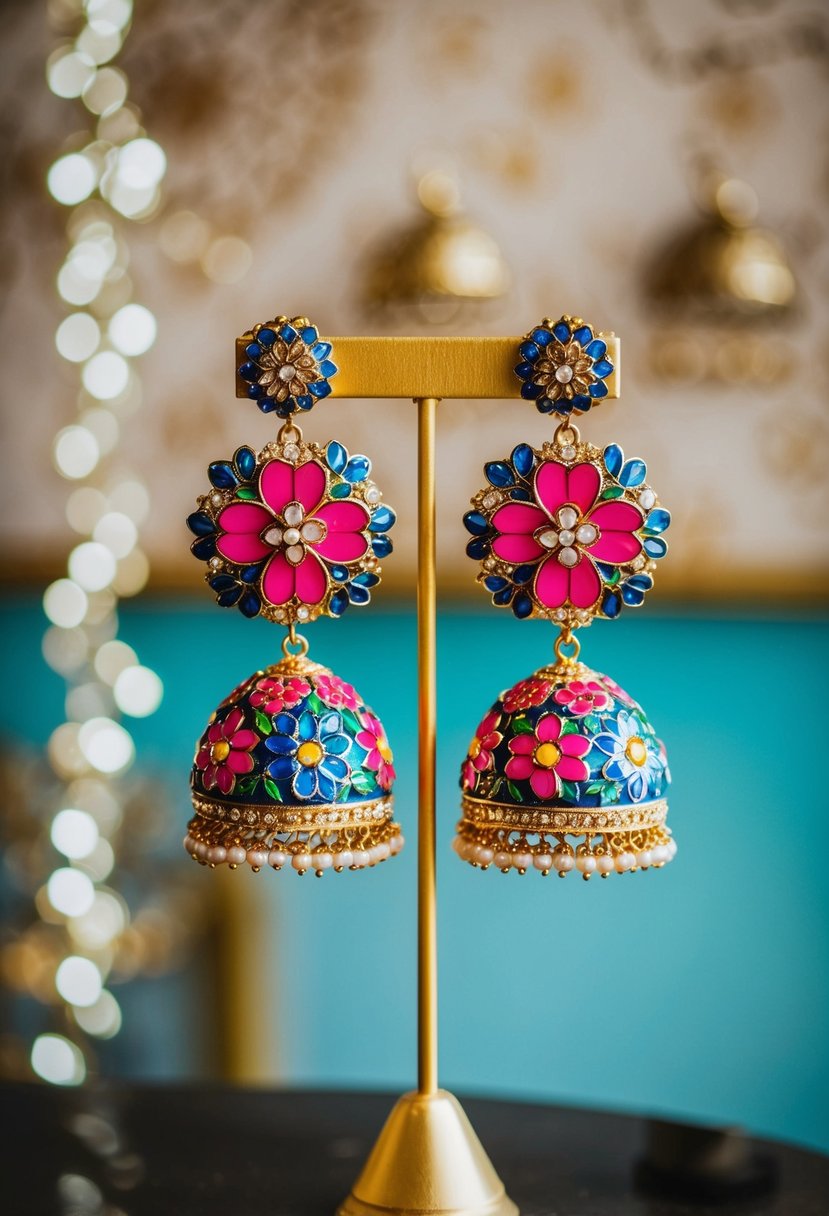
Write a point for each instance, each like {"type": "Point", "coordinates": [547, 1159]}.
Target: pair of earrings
{"type": "Point", "coordinates": [293, 768]}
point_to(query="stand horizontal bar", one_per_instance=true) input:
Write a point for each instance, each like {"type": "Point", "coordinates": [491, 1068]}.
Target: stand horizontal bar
{"type": "Point", "coordinates": [429, 367]}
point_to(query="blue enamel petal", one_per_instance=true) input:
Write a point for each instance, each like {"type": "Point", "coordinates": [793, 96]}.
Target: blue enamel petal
{"type": "Point", "coordinates": [309, 335]}
{"type": "Point", "coordinates": [633, 473]}
{"type": "Point", "coordinates": [637, 787]}
{"type": "Point", "coordinates": [337, 745]}
{"type": "Point", "coordinates": [222, 582]}
{"type": "Point", "coordinates": [200, 524]}
{"type": "Point", "coordinates": [523, 574]}
{"type": "Point", "coordinates": [524, 370]}
{"type": "Point", "coordinates": [305, 782]}
{"type": "Point", "coordinates": [609, 744]}
{"type": "Point", "coordinates": [643, 581]}
{"type": "Point", "coordinates": [495, 582]}
{"type": "Point", "coordinates": [253, 350]}
{"type": "Point", "coordinates": [366, 579]}
{"type": "Point", "coordinates": [337, 456]}
{"type": "Point", "coordinates": [327, 368]}
{"type": "Point", "coordinates": [250, 604]}
{"type": "Point", "coordinates": [255, 391]}
{"type": "Point", "coordinates": [583, 335]}
{"type": "Point", "coordinates": [221, 475]}
{"type": "Point", "coordinates": [598, 390]}
{"type": "Point", "coordinates": [611, 604]}
{"type": "Point", "coordinates": [614, 458]}
{"type": "Point", "coordinates": [285, 723]}
{"type": "Point", "coordinates": [251, 573]}
{"type": "Point", "coordinates": [338, 573]}
{"type": "Point", "coordinates": [613, 769]}
{"type": "Point", "coordinates": [357, 469]}
{"type": "Point", "coordinates": [602, 367]}
{"type": "Point", "coordinates": [381, 546]}
{"type": "Point", "coordinates": [281, 768]}
{"type": "Point", "coordinates": [498, 473]}
{"type": "Point", "coordinates": [249, 371]}
{"type": "Point", "coordinates": [523, 458]}
{"type": "Point", "coordinates": [319, 388]}
{"type": "Point", "coordinates": [330, 724]}
{"type": "Point", "coordinates": [659, 520]}
{"type": "Point", "coordinates": [304, 401]}
{"type": "Point", "coordinates": [204, 548]}
{"type": "Point", "coordinates": [382, 519]}
{"type": "Point", "coordinates": [579, 402]}
{"type": "Point", "coordinates": [327, 788]}
{"type": "Point", "coordinates": [338, 603]}
{"type": "Point", "coordinates": [244, 460]}
{"type": "Point", "coordinates": [520, 494]}
{"type": "Point", "coordinates": [655, 546]}
{"type": "Point", "coordinates": [544, 405]}
{"type": "Point", "coordinates": [562, 331]}
{"type": "Point", "coordinates": [502, 598]}
{"type": "Point", "coordinates": [596, 349]}
{"type": "Point", "coordinates": [632, 595]}
{"type": "Point", "coordinates": [321, 350]}
{"type": "Point", "coordinates": [334, 767]}
{"type": "Point", "coordinates": [283, 745]}
{"type": "Point", "coordinates": [477, 548]}
{"type": "Point", "coordinates": [357, 594]}
{"type": "Point", "coordinates": [529, 351]}
{"type": "Point", "coordinates": [307, 726]}
{"type": "Point", "coordinates": [227, 599]}
{"type": "Point", "coordinates": [267, 337]}
{"type": "Point", "coordinates": [605, 571]}
{"type": "Point", "coordinates": [522, 605]}
{"type": "Point", "coordinates": [531, 391]}
{"type": "Point", "coordinates": [473, 521]}
{"type": "Point", "coordinates": [541, 337]}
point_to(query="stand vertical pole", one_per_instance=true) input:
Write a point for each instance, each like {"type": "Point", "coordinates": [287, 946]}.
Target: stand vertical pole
{"type": "Point", "coordinates": [427, 980]}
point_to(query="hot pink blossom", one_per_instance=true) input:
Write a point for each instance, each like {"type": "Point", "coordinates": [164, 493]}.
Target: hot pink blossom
{"type": "Point", "coordinates": [275, 694]}
{"type": "Point", "coordinates": [224, 752]}
{"type": "Point", "coordinates": [480, 759]}
{"type": "Point", "coordinates": [582, 697]}
{"type": "Point", "coordinates": [568, 531]}
{"type": "Point", "coordinates": [548, 757]}
{"type": "Point", "coordinates": [525, 694]}
{"type": "Point", "coordinates": [336, 692]}
{"type": "Point", "coordinates": [379, 759]}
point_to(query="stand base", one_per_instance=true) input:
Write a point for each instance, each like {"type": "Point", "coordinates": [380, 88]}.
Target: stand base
{"type": "Point", "coordinates": [428, 1160]}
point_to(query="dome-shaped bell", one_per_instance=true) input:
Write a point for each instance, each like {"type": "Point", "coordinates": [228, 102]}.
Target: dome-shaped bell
{"type": "Point", "coordinates": [565, 772]}
{"type": "Point", "coordinates": [293, 768]}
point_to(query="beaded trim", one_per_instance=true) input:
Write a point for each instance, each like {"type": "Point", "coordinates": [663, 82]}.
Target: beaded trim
{"type": "Point", "coordinates": [281, 819]}
{"type": "Point", "coordinates": [566, 820]}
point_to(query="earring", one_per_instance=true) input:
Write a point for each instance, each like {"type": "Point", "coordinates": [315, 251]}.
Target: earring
{"type": "Point", "coordinates": [565, 770]}
{"type": "Point", "coordinates": [292, 766]}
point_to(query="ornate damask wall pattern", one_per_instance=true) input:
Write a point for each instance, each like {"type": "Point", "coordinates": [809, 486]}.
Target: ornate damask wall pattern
{"type": "Point", "coordinates": [293, 132]}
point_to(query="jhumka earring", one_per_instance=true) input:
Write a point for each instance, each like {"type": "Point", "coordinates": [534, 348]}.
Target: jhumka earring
{"type": "Point", "coordinates": [292, 767]}
{"type": "Point", "coordinates": [565, 770]}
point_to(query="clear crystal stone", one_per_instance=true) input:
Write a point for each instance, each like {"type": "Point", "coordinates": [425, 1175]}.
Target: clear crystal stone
{"type": "Point", "coordinates": [586, 534]}
{"type": "Point", "coordinates": [548, 538]}
{"type": "Point", "coordinates": [568, 517]}
{"type": "Point", "coordinates": [291, 451]}
{"type": "Point", "coordinates": [566, 537]}
{"type": "Point", "coordinates": [489, 500]}
{"type": "Point", "coordinates": [295, 553]}
{"type": "Point", "coordinates": [568, 452]}
{"type": "Point", "coordinates": [215, 562]}
{"type": "Point", "coordinates": [564, 374]}
{"type": "Point", "coordinates": [302, 612]}
{"type": "Point", "coordinates": [286, 373]}
{"type": "Point", "coordinates": [273, 536]}
{"type": "Point", "coordinates": [311, 531]}
{"type": "Point", "coordinates": [647, 498]}
{"type": "Point", "coordinates": [568, 557]}
{"type": "Point", "coordinates": [294, 514]}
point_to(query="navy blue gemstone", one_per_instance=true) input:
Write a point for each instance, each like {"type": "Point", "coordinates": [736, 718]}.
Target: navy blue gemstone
{"type": "Point", "coordinates": [602, 367]}
{"type": "Point", "coordinates": [266, 337]}
{"type": "Point", "coordinates": [520, 494]}
{"type": "Point", "coordinates": [366, 579]}
{"type": "Point", "coordinates": [250, 604]}
{"type": "Point", "coordinates": [245, 462]}
{"type": "Point", "coordinates": [357, 469]}
{"type": "Point", "coordinates": [596, 349]}
{"type": "Point", "coordinates": [659, 520]}
{"type": "Point", "coordinates": [498, 473]}
{"type": "Point", "coordinates": [584, 335]}
{"type": "Point", "coordinates": [633, 473]}
{"type": "Point", "coordinates": [309, 335]}
{"type": "Point", "coordinates": [287, 332]}
{"type": "Point", "coordinates": [284, 409]}
{"type": "Point", "coordinates": [524, 370]}
{"type": "Point", "coordinates": [339, 573]}
{"type": "Point", "coordinates": [253, 350]}
{"type": "Point", "coordinates": [632, 595]}
{"type": "Point", "coordinates": [501, 598]}
{"type": "Point", "coordinates": [495, 582]}
{"type": "Point", "coordinates": [541, 337]}
{"type": "Point", "coordinates": [337, 456]}
{"type": "Point", "coordinates": [255, 391]}
{"type": "Point", "coordinates": [228, 598]}
{"type": "Point", "coordinates": [381, 546]}
{"type": "Point", "coordinates": [319, 388]}
{"type": "Point", "coordinates": [357, 594]}
{"type": "Point", "coordinates": [655, 546]}
{"type": "Point", "coordinates": [478, 548]}
{"type": "Point", "coordinates": [530, 391]}
{"type": "Point", "coordinates": [544, 405]}
{"type": "Point", "coordinates": [249, 371]}
{"type": "Point", "coordinates": [522, 605]}
{"type": "Point", "coordinates": [327, 368]}
{"type": "Point", "coordinates": [614, 458]}
{"type": "Point", "coordinates": [643, 582]}
{"type": "Point", "coordinates": [222, 582]}
{"type": "Point", "coordinates": [321, 350]}
{"type": "Point", "coordinates": [250, 574]}
{"type": "Point", "coordinates": [200, 524]}
{"type": "Point", "coordinates": [605, 571]}
{"type": "Point", "coordinates": [562, 331]}
{"type": "Point", "coordinates": [523, 458]}
{"type": "Point", "coordinates": [523, 574]}
{"type": "Point", "coordinates": [221, 475]}
{"type": "Point", "coordinates": [267, 405]}
{"type": "Point", "coordinates": [338, 602]}
{"type": "Point", "coordinates": [611, 604]}
{"type": "Point", "coordinates": [382, 519]}
{"type": "Point", "coordinates": [566, 407]}
{"type": "Point", "coordinates": [304, 401]}
{"type": "Point", "coordinates": [529, 351]}
{"type": "Point", "coordinates": [579, 402]}
{"type": "Point", "coordinates": [475, 523]}
{"type": "Point", "coordinates": [599, 389]}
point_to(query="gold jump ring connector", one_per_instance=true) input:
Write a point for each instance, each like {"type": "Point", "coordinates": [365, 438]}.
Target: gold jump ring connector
{"type": "Point", "coordinates": [567, 647]}
{"type": "Point", "coordinates": [294, 645]}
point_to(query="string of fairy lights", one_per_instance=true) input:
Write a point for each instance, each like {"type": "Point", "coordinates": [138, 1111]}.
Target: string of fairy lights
{"type": "Point", "coordinates": [110, 177]}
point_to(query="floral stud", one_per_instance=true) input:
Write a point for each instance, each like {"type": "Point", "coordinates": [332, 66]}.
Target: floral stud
{"type": "Point", "coordinates": [287, 367]}
{"type": "Point", "coordinates": [564, 366]}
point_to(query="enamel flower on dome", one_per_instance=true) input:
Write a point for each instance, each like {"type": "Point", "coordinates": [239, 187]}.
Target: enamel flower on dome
{"type": "Point", "coordinates": [293, 532]}
{"type": "Point", "coordinates": [568, 532]}
{"type": "Point", "coordinates": [564, 366]}
{"type": "Point", "coordinates": [287, 367]}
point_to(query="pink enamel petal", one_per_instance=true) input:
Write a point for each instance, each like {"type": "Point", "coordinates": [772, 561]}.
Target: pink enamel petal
{"type": "Point", "coordinates": [616, 547]}
{"type": "Point", "coordinates": [239, 762]}
{"type": "Point", "coordinates": [276, 484]}
{"type": "Point", "coordinates": [242, 547]}
{"type": "Point", "coordinates": [551, 583]}
{"type": "Point", "coordinates": [343, 516]}
{"type": "Point", "coordinates": [585, 584]}
{"type": "Point", "coordinates": [551, 485]}
{"type": "Point", "coordinates": [482, 760]}
{"type": "Point", "coordinates": [487, 724]}
{"type": "Point", "coordinates": [225, 779]}
{"type": "Point", "coordinates": [616, 517]}
{"type": "Point", "coordinates": [574, 745]}
{"type": "Point", "coordinates": [215, 732]}
{"type": "Point", "coordinates": [522, 744]}
{"type": "Point", "coordinates": [342, 546]}
{"type": "Point", "coordinates": [244, 517]}
{"type": "Point", "coordinates": [232, 723]}
{"type": "Point", "coordinates": [278, 581]}
{"type": "Point", "coordinates": [571, 769]}
{"type": "Point", "coordinates": [209, 778]}
{"type": "Point", "coordinates": [309, 484]}
{"type": "Point", "coordinates": [518, 517]}
{"type": "Point", "coordinates": [516, 548]}
{"type": "Point", "coordinates": [203, 758]}
{"type": "Point", "coordinates": [583, 486]}
{"type": "Point", "coordinates": [519, 767]}
{"type": "Point", "coordinates": [311, 580]}
{"type": "Point", "coordinates": [543, 783]}
{"type": "Point", "coordinates": [244, 739]}
{"type": "Point", "coordinates": [548, 728]}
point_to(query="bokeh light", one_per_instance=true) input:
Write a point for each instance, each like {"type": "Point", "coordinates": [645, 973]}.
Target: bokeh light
{"type": "Point", "coordinates": [106, 745]}
{"type": "Point", "coordinates": [102, 1019]}
{"type": "Point", "coordinates": [72, 178]}
{"type": "Point", "coordinates": [65, 603]}
{"type": "Point", "coordinates": [92, 566]}
{"type": "Point", "coordinates": [133, 329]}
{"type": "Point", "coordinates": [75, 452]}
{"type": "Point", "coordinates": [117, 532]}
{"type": "Point", "coordinates": [106, 375]}
{"type": "Point", "coordinates": [112, 658]}
{"type": "Point", "coordinates": [57, 1060]}
{"type": "Point", "coordinates": [78, 981]}
{"type": "Point", "coordinates": [70, 891]}
{"type": "Point", "coordinates": [138, 691]}
{"type": "Point", "coordinates": [77, 337]}
{"type": "Point", "coordinates": [74, 833]}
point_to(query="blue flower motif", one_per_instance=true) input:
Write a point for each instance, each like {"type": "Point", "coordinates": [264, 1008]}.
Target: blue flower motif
{"type": "Point", "coordinates": [287, 367]}
{"type": "Point", "coordinates": [634, 756]}
{"type": "Point", "coordinates": [564, 367]}
{"type": "Point", "coordinates": [309, 751]}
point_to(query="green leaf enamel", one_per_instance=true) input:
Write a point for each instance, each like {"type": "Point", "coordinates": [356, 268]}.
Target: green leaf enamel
{"type": "Point", "coordinates": [514, 791]}
{"type": "Point", "coordinates": [263, 723]}
{"type": "Point", "coordinates": [613, 492]}
{"type": "Point", "coordinates": [340, 489]}
{"type": "Point", "coordinates": [313, 703]}
{"type": "Point", "coordinates": [521, 726]}
{"type": "Point", "coordinates": [569, 727]}
{"type": "Point", "coordinates": [570, 791]}
{"type": "Point", "coordinates": [246, 492]}
{"type": "Point", "coordinates": [272, 789]}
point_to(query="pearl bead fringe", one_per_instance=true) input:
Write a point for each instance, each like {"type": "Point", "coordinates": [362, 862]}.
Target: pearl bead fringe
{"type": "Point", "coordinates": [359, 849]}
{"type": "Point", "coordinates": [616, 852]}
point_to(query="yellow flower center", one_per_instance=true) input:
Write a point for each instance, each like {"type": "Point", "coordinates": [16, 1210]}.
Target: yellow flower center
{"type": "Point", "coordinates": [220, 751]}
{"type": "Point", "coordinates": [548, 755]}
{"type": "Point", "coordinates": [636, 751]}
{"type": "Point", "coordinates": [475, 748]}
{"type": "Point", "coordinates": [309, 754]}
{"type": "Point", "coordinates": [384, 750]}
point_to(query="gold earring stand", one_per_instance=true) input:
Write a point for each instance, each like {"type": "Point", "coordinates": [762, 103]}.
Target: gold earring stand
{"type": "Point", "coordinates": [427, 1160]}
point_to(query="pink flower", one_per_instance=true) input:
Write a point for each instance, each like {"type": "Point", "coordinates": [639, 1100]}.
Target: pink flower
{"type": "Point", "coordinates": [274, 695]}
{"type": "Point", "coordinates": [297, 527]}
{"type": "Point", "coordinates": [480, 759]}
{"type": "Point", "coordinates": [224, 752]}
{"type": "Point", "coordinates": [617, 692]}
{"type": "Point", "coordinates": [379, 759]}
{"type": "Point", "coordinates": [569, 532]}
{"type": "Point", "coordinates": [548, 757]}
{"type": "Point", "coordinates": [335, 692]}
{"type": "Point", "coordinates": [526, 693]}
{"type": "Point", "coordinates": [582, 697]}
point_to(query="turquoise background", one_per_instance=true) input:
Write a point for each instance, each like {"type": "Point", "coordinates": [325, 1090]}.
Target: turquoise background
{"type": "Point", "coordinates": [699, 990]}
